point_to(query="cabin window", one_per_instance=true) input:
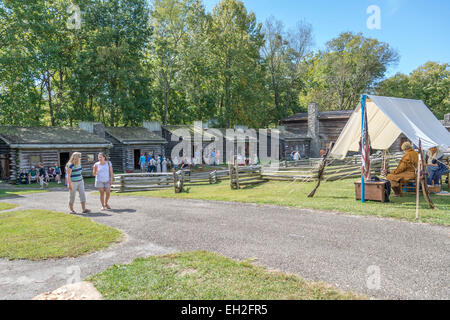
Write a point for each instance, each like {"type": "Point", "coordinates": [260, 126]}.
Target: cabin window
{"type": "Point", "coordinates": [91, 157]}
{"type": "Point", "coordinates": [34, 160]}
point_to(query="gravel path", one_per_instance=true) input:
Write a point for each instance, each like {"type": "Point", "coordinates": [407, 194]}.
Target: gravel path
{"type": "Point", "coordinates": [413, 260]}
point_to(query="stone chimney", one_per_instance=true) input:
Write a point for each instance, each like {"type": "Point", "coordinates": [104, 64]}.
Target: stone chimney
{"type": "Point", "coordinates": [153, 126]}
{"type": "Point", "coordinates": [313, 129]}
{"type": "Point", "coordinates": [93, 127]}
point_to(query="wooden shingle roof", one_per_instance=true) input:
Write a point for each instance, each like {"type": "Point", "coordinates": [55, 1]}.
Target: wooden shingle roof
{"type": "Point", "coordinates": [134, 135]}
{"type": "Point", "coordinates": [50, 137]}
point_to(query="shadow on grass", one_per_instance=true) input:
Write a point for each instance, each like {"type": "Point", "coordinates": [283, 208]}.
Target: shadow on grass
{"type": "Point", "coordinates": [252, 186]}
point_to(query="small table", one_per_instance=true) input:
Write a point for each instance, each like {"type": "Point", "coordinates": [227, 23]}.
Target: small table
{"type": "Point", "coordinates": [373, 190]}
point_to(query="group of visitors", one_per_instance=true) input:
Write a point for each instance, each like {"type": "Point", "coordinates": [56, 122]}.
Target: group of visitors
{"type": "Point", "coordinates": [40, 175]}
{"type": "Point", "coordinates": [152, 164]}
{"type": "Point", "coordinates": [408, 166]}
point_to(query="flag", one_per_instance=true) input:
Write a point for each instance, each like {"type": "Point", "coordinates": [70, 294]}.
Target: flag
{"type": "Point", "coordinates": [365, 148]}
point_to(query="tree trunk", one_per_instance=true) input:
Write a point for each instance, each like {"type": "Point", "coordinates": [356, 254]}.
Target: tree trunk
{"type": "Point", "coordinates": [166, 104]}
{"type": "Point", "coordinates": [50, 104]}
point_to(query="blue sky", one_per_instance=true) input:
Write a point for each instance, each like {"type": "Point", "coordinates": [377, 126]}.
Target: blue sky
{"type": "Point", "coordinates": [418, 29]}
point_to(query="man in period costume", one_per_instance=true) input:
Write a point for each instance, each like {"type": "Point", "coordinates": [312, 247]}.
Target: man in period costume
{"type": "Point", "coordinates": [406, 169]}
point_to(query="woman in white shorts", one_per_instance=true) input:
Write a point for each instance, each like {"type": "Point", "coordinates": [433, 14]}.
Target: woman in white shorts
{"type": "Point", "coordinates": [103, 172]}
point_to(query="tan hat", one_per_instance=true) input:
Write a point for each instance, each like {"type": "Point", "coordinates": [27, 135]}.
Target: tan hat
{"type": "Point", "coordinates": [406, 146]}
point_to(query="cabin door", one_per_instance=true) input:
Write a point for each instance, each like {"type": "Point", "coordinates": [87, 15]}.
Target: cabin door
{"type": "Point", "coordinates": [137, 155]}
{"type": "Point", "coordinates": [4, 167]}
{"type": "Point", "coordinates": [64, 157]}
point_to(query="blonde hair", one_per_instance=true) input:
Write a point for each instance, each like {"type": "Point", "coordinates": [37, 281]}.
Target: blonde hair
{"type": "Point", "coordinates": [74, 159]}
{"type": "Point", "coordinates": [406, 146]}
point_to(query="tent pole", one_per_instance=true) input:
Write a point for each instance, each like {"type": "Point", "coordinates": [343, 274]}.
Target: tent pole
{"type": "Point", "coordinates": [418, 187]}
{"type": "Point", "coordinates": [363, 187]}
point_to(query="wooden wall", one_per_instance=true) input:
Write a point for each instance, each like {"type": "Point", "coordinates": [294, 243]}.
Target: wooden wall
{"type": "Point", "coordinates": [49, 157]}
{"type": "Point", "coordinates": [128, 153]}
{"type": "Point", "coordinates": [329, 129]}
{"type": "Point", "coordinates": [116, 153]}
{"type": "Point", "coordinates": [286, 148]}
{"type": "Point", "coordinates": [122, 155]}
{"type": "Point", "coordinates": [300, 127]}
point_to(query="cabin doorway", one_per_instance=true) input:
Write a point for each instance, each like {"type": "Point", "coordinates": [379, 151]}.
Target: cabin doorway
{"type": "Point", "coordinates": [137, 155]}
{"type": "Point", "coordinates": [64, 157]}
{"type": "Point", "coordinates": [4, 167]}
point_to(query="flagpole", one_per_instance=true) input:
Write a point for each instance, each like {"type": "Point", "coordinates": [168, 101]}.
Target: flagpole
{"type": "Point", "coordinates": [363, 187]}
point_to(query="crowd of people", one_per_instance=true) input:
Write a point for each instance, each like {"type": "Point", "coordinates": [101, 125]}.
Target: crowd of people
{"type": "Point", "coordinates": [156, 164]}
{"type": "Point", "coordinates": [40, 175]}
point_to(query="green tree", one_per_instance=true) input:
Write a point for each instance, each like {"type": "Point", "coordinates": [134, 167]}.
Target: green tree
{"type": "Point", "coordinates": [109, 72]}
{"type": "Point", "coordinates": [37, 49]}
{"type": "Point", "coordinates": [429, 83]}
{"type": "Point", "coordinates": [235, 41]}
{"type": "Point", "coordinates": [351, 65]}
{"type": "Point", "coordinates": [170, 22]}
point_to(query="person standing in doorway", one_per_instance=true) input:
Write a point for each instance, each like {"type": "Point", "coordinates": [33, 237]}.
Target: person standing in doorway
{"type": "Point", "coordinates": [213, 157]}
{"type": "Point", "coordinates": [75, 182]}
{"type": "Point", "coordinates": [103, 172]}
{"type": "Point", "coordinates": [142, 162]}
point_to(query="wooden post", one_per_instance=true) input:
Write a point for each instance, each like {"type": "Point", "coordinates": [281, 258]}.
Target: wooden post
{"type": "Point", "coordinates": [230, 169]}
{"type": "Point", "coordinates": [237, 172]}
{"type": "Point", "coordinates": [122, 184]}
{"type": "Point", "coordinates": [418, 187]}
{"type": "Point", "coordinates": [175, 182]}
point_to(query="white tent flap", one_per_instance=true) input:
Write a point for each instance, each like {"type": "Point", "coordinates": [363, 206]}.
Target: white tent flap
{"type": "Point", "coordinates": [387, 119]}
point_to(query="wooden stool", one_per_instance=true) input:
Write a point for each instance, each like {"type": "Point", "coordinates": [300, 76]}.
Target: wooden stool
{"type": "Point", "coordinates": [412, 189]}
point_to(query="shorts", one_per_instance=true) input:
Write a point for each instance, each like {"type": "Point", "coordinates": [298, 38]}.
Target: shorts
{"type": "Point", "coordinates": [102, 185]}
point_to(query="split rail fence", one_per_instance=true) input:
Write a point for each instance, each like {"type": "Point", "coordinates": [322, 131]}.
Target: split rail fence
{"type": "Point", "coordinates": [301, 171]}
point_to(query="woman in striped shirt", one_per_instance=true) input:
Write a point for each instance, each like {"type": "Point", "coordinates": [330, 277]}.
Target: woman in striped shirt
{"type": "Point", "coordinates": [75, 182]}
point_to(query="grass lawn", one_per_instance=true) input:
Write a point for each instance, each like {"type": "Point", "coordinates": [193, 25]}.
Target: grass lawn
{"type": "Point", "coordinates": [205, 276]}
{"type": "Point", "coordinates": [334, 196]}
{"type": "Point", "coordinates": [7, 206]}
{"type": "Point", "coordinates": [42, 234]}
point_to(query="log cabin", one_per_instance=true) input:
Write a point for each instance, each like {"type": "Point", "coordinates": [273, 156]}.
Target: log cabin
{"type": "Point", "coordinates": [195, 135]}
{"type": "Point", "coordinates": [21, 148]}
{"type": "Point", "coordinates": [128, 143]}
{"type": "Point", "coordinates": [324, 127]}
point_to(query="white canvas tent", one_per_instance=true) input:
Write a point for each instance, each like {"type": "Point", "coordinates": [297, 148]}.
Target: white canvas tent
{"type": "Point", "coordinates": [387, 119]}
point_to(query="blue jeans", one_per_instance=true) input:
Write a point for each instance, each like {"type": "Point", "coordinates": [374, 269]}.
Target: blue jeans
{"type": "Point", "coordinates": [435, 173]}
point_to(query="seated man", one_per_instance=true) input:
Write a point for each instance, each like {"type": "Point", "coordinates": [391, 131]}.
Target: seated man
{"type": "Point", "coordinates": [57, 173]}
{"type": "Point", "coordinates": [51, 174]}
{"type": "Point", "coordinates": [435, 167]}
{"type": "Point", "coordinates": [32, 175]}
{"type": "Point", "coordinates": [406, 169]}
{"type": "Point", "coordinates": [23, 177]}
